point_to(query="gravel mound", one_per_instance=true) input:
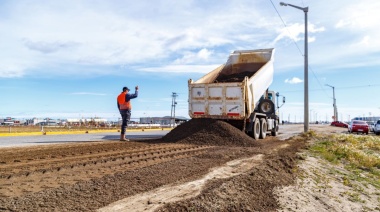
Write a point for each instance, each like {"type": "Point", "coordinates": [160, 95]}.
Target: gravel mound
{"type": "Point", "coordinates": [209, 132]}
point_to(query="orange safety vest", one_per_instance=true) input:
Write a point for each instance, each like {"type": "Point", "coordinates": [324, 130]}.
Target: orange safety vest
{"type": "Point", "coordinates": [123, 105]}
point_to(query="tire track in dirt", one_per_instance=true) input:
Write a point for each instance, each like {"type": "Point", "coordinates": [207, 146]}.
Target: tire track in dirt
{"type": "Point", "coordinates": [152, 200]}
{"type": "Point", "coordinates": [19, 177]}
{"type": "Point", "coordinates": [63, 160]}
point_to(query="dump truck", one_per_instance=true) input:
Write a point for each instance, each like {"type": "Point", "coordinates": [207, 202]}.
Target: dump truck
{"type": "Point", "coordinates": [238, 93]}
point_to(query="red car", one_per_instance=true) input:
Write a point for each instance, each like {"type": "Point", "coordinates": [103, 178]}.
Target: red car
{"type": "Point", "coordinates": [339, 124]}
{"type": "Point", "coordinates": [358, 127]}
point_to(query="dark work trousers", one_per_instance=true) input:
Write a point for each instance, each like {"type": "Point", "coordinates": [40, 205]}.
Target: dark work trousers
{"type": "Point", "coordinates": [126, 116]}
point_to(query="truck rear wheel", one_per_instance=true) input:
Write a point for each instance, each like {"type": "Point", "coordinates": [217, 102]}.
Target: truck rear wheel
{"type": "Point", "coordinates": [274, 131]}
{"type": "Point", "coordinates": [255, 133]}
{"type": "Point", "coordinates": [263, 128]}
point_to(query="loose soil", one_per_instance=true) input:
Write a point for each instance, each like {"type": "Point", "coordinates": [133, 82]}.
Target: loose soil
{"type": "Point", "coordinates": [210, 132]}
{"type": "Point", "coordinates": [237, 77]}
{"type": "Point", "coordinates": [237, 72]}
{"type": "Point", "coordinates": [90, 176]}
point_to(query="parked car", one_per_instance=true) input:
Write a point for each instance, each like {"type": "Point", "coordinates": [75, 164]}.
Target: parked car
{"type": "Point", "coordinates": [339, 124]}
{"type": "Point", "coordinates": [358, 127]}
{"type": "Point", "coordinates": [371, 125]}
{"type": "Point", "coordinates": [376, 129]}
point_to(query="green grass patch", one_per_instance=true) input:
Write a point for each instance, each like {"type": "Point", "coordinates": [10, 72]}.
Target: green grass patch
{"type": "Point", "coordinates": [359, 154]}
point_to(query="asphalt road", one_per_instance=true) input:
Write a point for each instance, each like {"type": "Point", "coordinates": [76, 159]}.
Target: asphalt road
{"type": "Point", "coordinates": [17, 141]}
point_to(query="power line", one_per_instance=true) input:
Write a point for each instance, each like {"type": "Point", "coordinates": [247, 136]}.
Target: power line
{"type": "Point", "coordinates": [286, 27]}
{"type": "Point", "coordinates": [340, 88]}
{"type": "Point", "coordinates": [359, 86]}
{"type": "Point", "coordinates": [283, 22]}
{"type": "Point", "coordinates": [319, 82]}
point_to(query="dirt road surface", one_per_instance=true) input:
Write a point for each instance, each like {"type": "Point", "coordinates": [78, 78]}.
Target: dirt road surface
{"type": "Point", "coordinates": [199, 166]}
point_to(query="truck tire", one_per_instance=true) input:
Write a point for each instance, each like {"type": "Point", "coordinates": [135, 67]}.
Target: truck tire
{"type": "Point", "coordinates": [274, 131]}
{"type": "Point", "coordinates": [255, 133]}
{"type": "Point", "coordinates": [263, 128]}
{"type": "Point", "coordinates": [266, 106]}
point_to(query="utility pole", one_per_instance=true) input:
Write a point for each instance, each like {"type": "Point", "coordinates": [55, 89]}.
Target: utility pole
{"type": "Point", "coordinates": [334, 104]}
{"type": "Point", "coordinates": [172, 113]}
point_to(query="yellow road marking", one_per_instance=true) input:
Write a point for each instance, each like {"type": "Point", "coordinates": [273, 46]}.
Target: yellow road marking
{"type": "Point", "coordinates": [77, 132]}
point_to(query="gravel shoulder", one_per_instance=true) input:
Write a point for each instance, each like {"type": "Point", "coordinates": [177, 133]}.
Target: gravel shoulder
{"type": "Point", "coordinates": [323, 186]}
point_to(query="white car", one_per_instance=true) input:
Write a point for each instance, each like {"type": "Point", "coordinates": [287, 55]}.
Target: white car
{"type": "Point", "coordinates": [371, 125]}
{"type": "Point", "coordinates": [376, 129]}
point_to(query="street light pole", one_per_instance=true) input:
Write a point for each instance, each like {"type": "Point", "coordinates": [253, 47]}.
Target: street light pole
{"type": "Point", "coordinates": [334, 103]}
{"type": "Point", "coordinates": [172, 114]}
{"type": "Point", "coordinates": [306, 66]}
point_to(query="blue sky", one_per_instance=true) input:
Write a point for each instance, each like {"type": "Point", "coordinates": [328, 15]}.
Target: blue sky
{"type": "Point", "coordinates": [70, 59]}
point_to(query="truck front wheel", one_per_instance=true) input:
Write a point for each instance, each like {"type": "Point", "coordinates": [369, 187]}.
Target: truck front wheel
{"type": "Point", "coordinates": [263, 126]}
{"type": "Point", "coordinates": [266, 106]}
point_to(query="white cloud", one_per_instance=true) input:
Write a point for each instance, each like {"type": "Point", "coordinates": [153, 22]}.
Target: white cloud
{"type": "Point", "coordinates": [361, 15]}
{"type": "Point", "coordinates": [47, 47]}
{"type": "Point", "coordinates": [108, 34]}
{"type": "Point", "coordinates": [359, 22]}
{"type": "Point", "coordinates": [296, 32]}
{"type": "Point", "coordinates": [10, 72]}
{"type": "Point", "coordinates": [181, 68]}
{"type": "Point", "coordinates": [294, 80]}
{"type": "Point", "coordinates": [88, 93]}
{"type": "Point", "coordinates": [190, 57]}
{"type": "Point", "coordinates": [365, 41]}
{"type": "Point", "coordinates": [342, 23]}
{"type": "Point", "coordinates": [204, 54]}
{"type": "Point", "coordinates": [311, 39]}
{"type": "Point", "coordinates": [347, 40]}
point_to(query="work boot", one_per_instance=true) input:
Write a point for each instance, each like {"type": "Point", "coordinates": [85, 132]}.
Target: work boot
{"type": "Point", "coordinates": [122, 137]}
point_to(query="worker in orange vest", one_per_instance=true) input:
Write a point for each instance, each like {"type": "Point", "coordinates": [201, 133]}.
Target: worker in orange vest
{"type": "Point", "coordinates": [125, 107]}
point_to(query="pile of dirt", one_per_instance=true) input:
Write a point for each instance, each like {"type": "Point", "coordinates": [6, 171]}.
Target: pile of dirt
{"type": "Point", "coordinates": [209, 132]}
{"type": "Point", "coordinates": [238, 77]}
{"type": "Point", "coordinates": [237, 72]}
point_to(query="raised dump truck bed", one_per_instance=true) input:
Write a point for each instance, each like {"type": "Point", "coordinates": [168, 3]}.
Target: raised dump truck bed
{"type": "Point", "coordinates": [235, 89]}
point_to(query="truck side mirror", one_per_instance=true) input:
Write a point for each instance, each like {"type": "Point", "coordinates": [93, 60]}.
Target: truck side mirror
{"type": "Point", "coordinates": [283, 99]}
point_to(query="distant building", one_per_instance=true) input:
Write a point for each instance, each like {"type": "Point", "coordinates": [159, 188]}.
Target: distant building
{"type": "Point", "coordinates": [162, 120]}
{"type": "Point", "coordinates": [11, 122]}
{"type": "Point", "coordinates": [34, 121]}
{"type": "Point", "coordinates": [43, 122]}
{"type": "Point", "coordinates": [87, 122]}
{"type": "Point", "coordinates": [363, 118]}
